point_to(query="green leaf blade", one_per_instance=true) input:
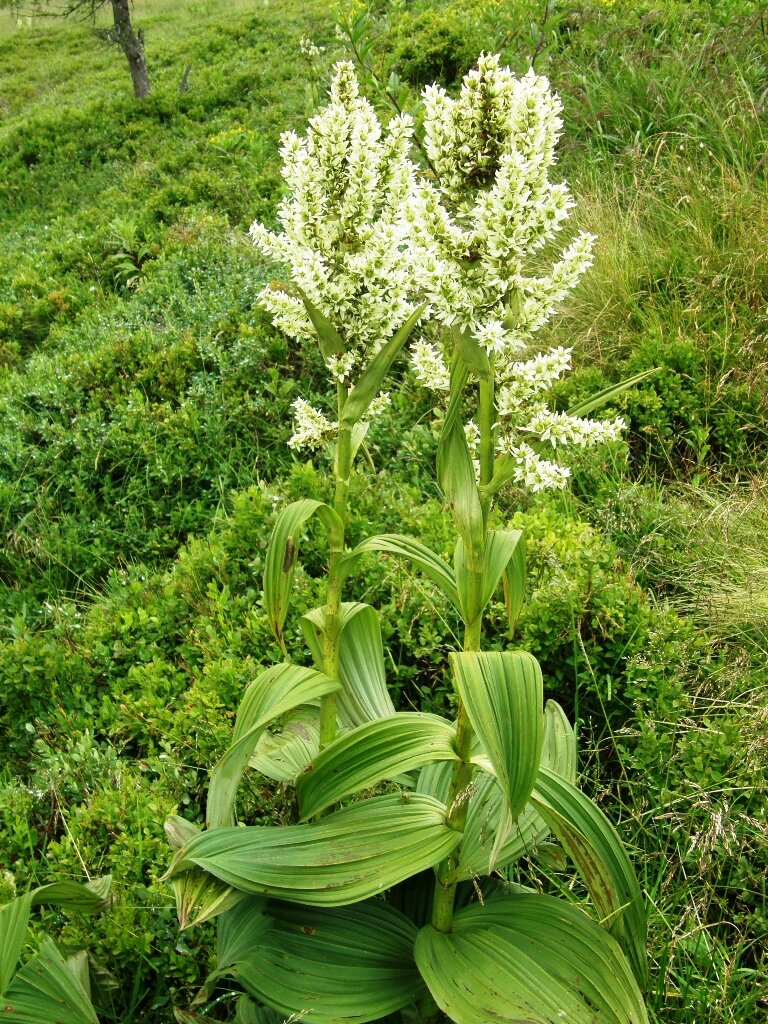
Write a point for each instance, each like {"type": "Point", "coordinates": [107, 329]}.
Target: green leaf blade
{"type": "Point", "coordinates": [364, 696]}
{"type": "Point", "coordinates": [528, 959]}
{"type": "Point", "coordinates": [275, 691]}
{"type": "Point", "coordinates": [350, 964]}
{"type": "Point", "coordinates": [350, 855]}
{"type": "Point", "coordinates": [46, 990]}
{"type": "Point", "coordinates": [371, 753]}
{"type": "Point", "coordinates": [599, 855]}
{"type": "Point", "coordinates": [411, 550]}
{"type": "Point", "coordinates": [372, 377]}
{"type": "Point", "coordinates": [282, 553]}
{"type": "Point", "coordinates": [503, 695]}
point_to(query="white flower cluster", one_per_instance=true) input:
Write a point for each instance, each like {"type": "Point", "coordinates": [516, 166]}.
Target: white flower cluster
{"type": "Point", "coordinates": [490, 206]}
{"type": "Point", "coordinates": [312, 427]}
{"type": "Point", "coordinates": [309, 49]}
{"type": "Point", "coordinates": [344, 232]}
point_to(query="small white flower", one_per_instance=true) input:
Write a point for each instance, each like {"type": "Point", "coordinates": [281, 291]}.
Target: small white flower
{"type": "Point", "coordinates": [429, 366]}
{"type": "Point", "coordinates": [379, 404]}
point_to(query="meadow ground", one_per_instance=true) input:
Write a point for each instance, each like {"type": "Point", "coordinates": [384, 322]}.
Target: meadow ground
{"type": "Point", "coordinates": [144, 415]}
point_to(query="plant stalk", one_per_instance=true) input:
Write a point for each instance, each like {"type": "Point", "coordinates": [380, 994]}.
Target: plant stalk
{"type": "Point", "coordinates": [461, 779]}
{"type": "Point", "coordinates": [342, 469]}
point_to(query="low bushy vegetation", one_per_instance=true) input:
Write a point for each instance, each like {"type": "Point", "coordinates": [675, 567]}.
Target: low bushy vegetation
{"type": "Point", "coordinates": [144, 419]}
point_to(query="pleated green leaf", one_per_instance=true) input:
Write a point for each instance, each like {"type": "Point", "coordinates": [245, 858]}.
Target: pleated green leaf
{"type": "Point", "coordinates": [14, 915]}
{"type": "Point", "coordinates": [504, 469]}
{"type": "Point", "coordinates": [371, 753]}
{"type": "Point", "coordinates": [493, 841]}
{"type": "Point", "coordinates": [283, 753]}
{"type": "Point", "coordinates": [275, 691]}
{"type": "Point", "coordinates": [200, 897]}
{"type": "Point", "coordinates": [489, 839]}
{"type": "Point", "coordinates": [249, 1012]}
{"type": "Point", "coordinates": [14, 921]}
{"type": "Point", "coordinates": [282, 554]}
{"type": "Point", "coordinates": [601, 860]}
{"type": "Point", "coordinates": [364, 696]}
{"type": "Point", "coordinates": [371, 379]}
{"type": "Point", "coordinates": [528, 959]}
{"type": "Point", "coordinates": [46, 990]}
{"type": "Point", "coordinates": [558, 753]}
{"type": "Point", "coordinates": [500, 548]}
{"type": "Point", "coordinates": [87, 897]}
{"type": "Point", "coordinates": [455, 469]}
{"type": "Point", "coordinates": [503, 694]}
{"type": "Point", "coordinates": [350, 855]}
{"type": "Point", "coordinates": [338, 965]}
{"type": "Point", "coordinates": [514, 580]}
{"type": "Point", "coordinates": [419, 555]}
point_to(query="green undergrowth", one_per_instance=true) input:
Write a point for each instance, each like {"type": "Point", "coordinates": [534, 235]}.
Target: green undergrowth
{"type": "Point", "coordinates": [144, 415]}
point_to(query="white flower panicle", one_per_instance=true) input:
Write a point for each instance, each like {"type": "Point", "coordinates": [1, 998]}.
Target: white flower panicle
{"type": "Point", "coordinates": [533, 472]}
{"type": "Point", "coordinates": [312, 427]}
{"type": "Point", "coordinates": [490, 207]}
{"type": "Point", "coordinates": [344, 233]}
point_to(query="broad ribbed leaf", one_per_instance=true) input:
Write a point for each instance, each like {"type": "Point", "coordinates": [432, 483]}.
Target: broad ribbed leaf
{"type": "Point", "coordinates": [500, 548]}
{"type": "Point", "coordinates": [364, 696]}
{"type": "Point", "coordinates": [514, 584]}
{"type": "Point", "coordinates": [88, 897]}
{"type": "Point", "coordinates": [503, 694]}
{"type": "Point", "coordinates": [338, 965]}
{"type": "Point", "coordinates": [528, 959]}
{"type": "Point", "coordinates": [419, 555]}
{"type": "Point", "coordinates": [350, 855]}
{"type": "Point", "coordinates": [14, 915]}
{"type": "Point", "coordinates": [46, 991]}
{"type": "Point", "coordinates": [455, 469]}
{"type": "Point", "coordinates": [485, 846]}
{"type": "Point", "coordinates": [200, 897]}
{"type": "Point", "coordinates": [283, 753]}
{"type": "Point", "coordinates": [276, 690]}
{"type": "Point", "coordinates": [371, 753]}
{"type": "Point", "coordinates": [558, 753]}
{"type": "Point", "coordinates": [282, 554]}
{"type": "Point", "coordinates": [249, 1012]}
{"type": "Point", "coordinates": [596, 850]}
{"type": "Point", "coordinates": [372, 377]}
{"type": "Point", "coordinates": [14, 920]}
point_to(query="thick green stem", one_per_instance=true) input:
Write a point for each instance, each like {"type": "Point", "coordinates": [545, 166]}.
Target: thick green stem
{"type": "Point", "coordinates": [342, 470]}
{"type": "Point", "coordinates": [487, 426]}
{"type": "Point", "coordinates": [461, 779]}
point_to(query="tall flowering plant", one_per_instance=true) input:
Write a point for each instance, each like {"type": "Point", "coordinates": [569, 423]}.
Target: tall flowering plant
{"type": "Point", "coordinates": [401, 905]}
